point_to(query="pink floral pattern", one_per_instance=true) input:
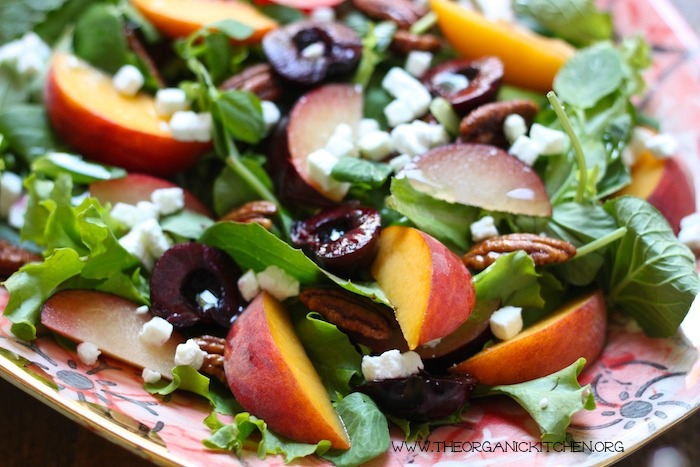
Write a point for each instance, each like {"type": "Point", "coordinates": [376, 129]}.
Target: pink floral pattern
{"type": "Point", "coordinates": [641, 385]}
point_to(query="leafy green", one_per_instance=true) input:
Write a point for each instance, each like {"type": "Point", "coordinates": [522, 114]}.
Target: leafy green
{"type": "Point", "coordinates": [335, 358]}
{"type": "Point", "coordinates": [27, 130]}
{"type": "Point", "coordinates": [241, 115]}
{"type": "Point", "coordinates": [447, 222]}
{"type": "Point", "coordinates": [511, 280]}
{"type": "Point", "coordinates": [186, 224]}
{"type": "Point", "coordinates": [652, 277]}
{"type": "Point", "coordinates": [20, 16]}
{"type": "Point", "coordinates": [234, 29]}
{"type": "Point", "coordinates": [98, 38]}
{"type": "Point", "coordinates": [550, 400]}
{"type": "Point", "coordinates": [577, 21]}
{"type": "Point", "coordinates": [376, 39]}
{"type": "Point", "coordinates": [184, 377]}
{"type": "Point", "coordinates": [81, 171]}
{"type": "Point", "coordinates": [361, 172]}
{"type": "Point", "coordinates": [367, 428]}
{"type": "Point", "coordinates": [230, 191]}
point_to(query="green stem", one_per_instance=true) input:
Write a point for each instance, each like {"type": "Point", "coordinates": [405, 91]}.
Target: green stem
{"type": "Point", "coordinates": [601, 242]}
{"type": "Point", "coordinates": [578, 149]}
{"type": "Point", "coordinates": [424, 24]}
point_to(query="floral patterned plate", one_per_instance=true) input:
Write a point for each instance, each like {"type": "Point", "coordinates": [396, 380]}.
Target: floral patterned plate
{"type": "Point", "coordinates": [642, 386]}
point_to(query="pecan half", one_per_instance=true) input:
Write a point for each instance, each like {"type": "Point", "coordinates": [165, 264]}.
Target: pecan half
{"type": "Point", "coordinates": [543, 250]}
{"type": "Point", "coordinates": [350, 312]}
{"type": "Point", "coordinates": [214, 359]}
{"type": "Point", "coordinates": [254, 211]}
{"type": "Point", "coordinates": [260, 79]}
{"type": "Point", "coordinates": [13, 257]}
{"type": "Point", "coordinates": [403, 12]}
{"type": "Point", "coordinates": [485, 123]}
{"type": "Point", "coordinates": [405, 41]}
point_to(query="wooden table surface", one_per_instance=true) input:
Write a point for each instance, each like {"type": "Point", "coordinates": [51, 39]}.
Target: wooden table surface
{"type": "Point", "coordinates": [32, 434]}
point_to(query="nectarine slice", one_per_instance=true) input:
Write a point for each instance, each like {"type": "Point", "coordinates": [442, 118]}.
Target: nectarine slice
{"type": "Point", "coordinates": [529, 60]}
{"type": "Point", "coordinates": [576, 330]}
{"type": "Point", "coordinates": [313, 121]}
{"type": "Point", "coordinates": [666, 185]}
{"type": "Point", "coordinates": [111, 323]}
{"type": "Point", "coordinates": [271, 376]}
{"type": "Point", "coordinates": [92, 117]}
{"type": "Point", "coordinates": [180, 18]}
{"type": "Point", "coordinates": [429, 287]}
{"type": "Point", "coordinates": [479, 175]}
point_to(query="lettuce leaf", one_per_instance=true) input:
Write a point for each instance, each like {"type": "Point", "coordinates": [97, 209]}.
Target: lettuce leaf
{"type": "Point", "coordinates": [550, 400]}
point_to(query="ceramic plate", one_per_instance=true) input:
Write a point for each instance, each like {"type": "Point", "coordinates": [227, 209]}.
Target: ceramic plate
{"type": "Point", "coordinates": [642, 386]}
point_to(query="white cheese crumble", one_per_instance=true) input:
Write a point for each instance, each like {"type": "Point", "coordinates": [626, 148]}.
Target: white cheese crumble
{"type": "Point", "coordinates": [514, 126]}
{"type": "Point", "coordinates": [170, 100]}
{"type": "Point", "coordinates": [506, 322]}
{"type": "Point", "coordinates": [376, 145]}
{"type": "Point", "coordinates": [10, 192]}
{"type": "Point", "coordinates": [366, 126]}
{"type": "Point", "coordinates": [450, 82]}
{"type": "Point", "coordinates": [314, 51]}
{"type": "Point", "coordinates": [150, 376]}
{"type": "Point", "coordinates": [189, 354]}
{"type": "Point", "coordinates": [391, 364]}
{"type": "Point", "coordinates": [341, 143]}
{"type": "Point", "coordinates": [319, 166]}
{"type": "Point", "coordinates": [659, 145]}
{"type": "Point", "coordinates": [156, 331]}
{"type": "Point", "coordinates": [525, 149]}
{"type": "Point", "coordinates": [186, 125]}
{"type": "Point", "coordinates": [418, 62]}
{"type": "Point", "coordinates": [413, 98]}
{"type": "Point", "coordinates": [142, 310]}
{"type": "Point", "coordinates": [88, 353]}
{"type": "Point", "coordinates": [128, 80]}
{"type": "Point", "coordinates": [544, 403]}
{"type": "Point", "coordinates": [168, 200]}
{"type": "Point", "coordinates": [207, 300]}
{"type": "Point", "coordinates": [28, 55]}
{"type": "Point", "coordinates": [689, 233]}
{"type": "Point", "coordinates": [549, 141]}
{"type": "Point", "coordinates": [15, 216]}
{"type": "Point", "coordinates": [278, 283]}
{"type": "Point", "coordinates": [323, 14]}
{"type": "Point", "coordinates": [483, 228]}
{"type": "Point", "coordinates": [130, 215]}
{"type": "Point", "coordinates": [271, 114]}
{"type": "Point", "coordinates": [398, 112]}
{"type": "Point", "coordinates": [248, 285]}
{"type": "Point", "coordinates": [399, 162]}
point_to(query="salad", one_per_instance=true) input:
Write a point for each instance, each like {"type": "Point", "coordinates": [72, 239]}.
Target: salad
{"type": "Point", "coordinates": [346, 215]}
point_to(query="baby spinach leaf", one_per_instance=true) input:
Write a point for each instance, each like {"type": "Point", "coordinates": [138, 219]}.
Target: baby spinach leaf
{"type": "Point", "coordinates": [447, 222]}
{"type": "Point", "coordinates": [241, 115]}
{"type": "Point", "coordinates": [98, 38]}
{"type": "Point", "coordinates": [367, 428]}
{"type": "Point", "coordinates": [335, 358]}
{"type": "Point", "coordinates": [653, 276]}
{"type": "Point", "coordinates": [550, 400]}
{"type": "Point", "coordinates": [360, 172]}
{"type": "Point", "coordinates": [20, 16]}
{"type": "Point", "coordinates": [590, 75]}
{"type": "Point", "coordinates": [577, 21]}
{"type": "Point", "coordinates": [27, 131]}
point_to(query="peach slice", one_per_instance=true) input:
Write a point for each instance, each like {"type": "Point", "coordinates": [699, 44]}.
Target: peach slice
{"type": "Point", "coordinates": [479, 175]}
{"type": "Point", "coordinates": [529, 60]}
{"type": "Point", "coordinates": [180, 18]}
{"type": "Point", "coordinates": [271, 376]}
{"type": "Point", "coordinates": [111, 323]}
{"type": "Point", "coordinates": [313, 120]}
{"type": "Point", "coordinates": [428, 285]}
{"type": "Point", "coordinates": [575, 330]}
{"type": "Point", "coordinates": [666, 184]}
{"type": "Point", "coordinates": [135, 187]}
{"type": "Point", "coordinates": [93, 118]}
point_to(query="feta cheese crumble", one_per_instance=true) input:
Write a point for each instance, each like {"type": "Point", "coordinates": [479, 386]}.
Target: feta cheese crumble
{"type": "Point", "coordinates": [168, 200]}
{"type": "Point", "coordinates": [271, 114]}
{"type": "Point", "coordinates": [189, 354]}
{"type": "Point", "coordinates": [170, 100]}
{"type": "Point", "coordinates": [689, 233]}
{"type": "Point", "coordinates": [514, 126]}
{"type": "Point", "coordinates": [506, 322]}
{"type": "Point", "coordinates": [207, 300]}
{"type": "Point", "coordinates": [10, 192]}
{"type": "Point", "coordinates": [278, 283]}
{"type": "Point", "coordinates": [319, 165]}
{"type": "Point", "coordinates": [88, 353]}
{"type": "Point", "coordinates": [156, 331]}
{"type": "Point", "coordinates": [186, 125]}
{"type": "Point", "coordinates": [150, 376]}
{"type": "Point", "coordinates": [483, 228]}
{"type": "Point", "coordinates": [128, 80]}
{"type": "Point", "coordinates": [248, 285]}
{"type": "Point", "coordinates": [391, 364]}
{"type": "Point", "coordinates": [418, 62]}
{"type": "Point", "coordinates": [29, 55]}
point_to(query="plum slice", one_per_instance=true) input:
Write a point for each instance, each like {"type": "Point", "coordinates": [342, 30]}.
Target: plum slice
{"type": "Point", "coordinates": [479, 175]}
{"type": "Point", "coordinates": [421, 396]}
{"type": "Point", "coordinates": [194, 283]}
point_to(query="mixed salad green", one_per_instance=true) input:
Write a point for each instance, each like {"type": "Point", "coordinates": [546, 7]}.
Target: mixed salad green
{"type": "Point", "coordinates": [625, 247]}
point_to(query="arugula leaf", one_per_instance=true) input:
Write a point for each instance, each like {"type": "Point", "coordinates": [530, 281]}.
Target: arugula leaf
{"type": "Point", "coordinates": [234, 29]}
{"type": "Point", "coordinates": [20, 16]}
{"type": "Point", "coordinates": [186, 224]}
{"type": "Point", "coordinates": [447, 222]}
{"type": "Point", "coordinates": [335, 358]}
{"type": "Point", "coordinates": [184, 377]}
{"type": "Point", "coordinates": [650, 253]}
{"type": "Point", "coordinates": [560, 393]}
{"type": "Point", "coordinates": [283, 14]}
{"type": "Point", "coordinates": [241, 115]}
{"type": "Point", "coordinates": [98, 38]}
{"type": "Point", "coordinates": [590, 75]}
{"type": "Point", "coordinates": [367, 428]}
{"type": "Point", "coordinates": [577, 21]}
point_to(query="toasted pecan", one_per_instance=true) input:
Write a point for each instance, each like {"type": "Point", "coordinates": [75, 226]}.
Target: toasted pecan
{"type": "Point", "coordinates": [403, 12]}
{"type": "Point", "coordinates": [214, 359]}
{"type": "Point", "coordinates": [259, 79]}
{"type": "Point", "coordinates": [350, 312]}
{"type": "Point", "coordinates": [485, 123]}
{"type": "Point", "coordinates": [543, 250]}
{"type": "Point", "coordinates": [260, 212]}
{"type": "Point", "coordinates": [405, 41]}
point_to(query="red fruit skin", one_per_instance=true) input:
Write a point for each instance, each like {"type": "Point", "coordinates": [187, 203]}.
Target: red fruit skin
{"type": "Point", "coordinates": [99, 139]}
{"type": "Point", "coordinates": [674, 196]}
{"type": "Point", "coordinates": [305, 5]}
